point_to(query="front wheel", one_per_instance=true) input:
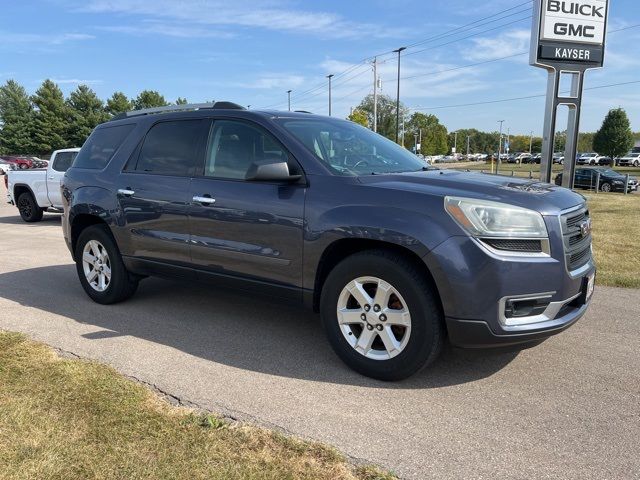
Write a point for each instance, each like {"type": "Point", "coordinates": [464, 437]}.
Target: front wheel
{"type": "Point", "coordinates": [382, 315]}
{"type": "Point", "coordinates": [100, 268]}
{"type": "Point", "coordinates": [636, 163]}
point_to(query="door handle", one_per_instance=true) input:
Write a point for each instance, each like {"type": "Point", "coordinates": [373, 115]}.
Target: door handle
{"type": "Point", "coordinates": [204, 199]}
{"type": "Point", "coordinates": [126, 192]}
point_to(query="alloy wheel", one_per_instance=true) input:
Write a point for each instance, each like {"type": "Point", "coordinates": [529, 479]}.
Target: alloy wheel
{"type": "Point", "coordinates": [96, 265]}
{"type": "Point", "coordinates": [374, 318]}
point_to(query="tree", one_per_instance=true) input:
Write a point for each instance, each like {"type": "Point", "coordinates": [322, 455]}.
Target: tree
{"type": "Point", "coordinates": [87, 111]}
{"type": "Point", "coordinates": [585, 142]}
{"type": "Point", "coordinates": [149, 99]}
{"type": "Point", "coordinates": [614, 138]}
{"type": "Point", "coordinates": [360, 117]}
{"type": "Point", "coordinates": [386, 114]}
{"type": "Point", "coordinates": [50, 120]}
{"type": "Point", "coordinates": [118, 103]}
{"type": "Point", "coordinates": [16, 115]}
{"type": "Point", "coordinates": [181, 101]}
{"type": "Point", "coordinates": [434, 134]}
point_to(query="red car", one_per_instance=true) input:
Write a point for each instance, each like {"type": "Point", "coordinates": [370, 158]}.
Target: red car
{"type": "Point", "coordinates": [20, 162]}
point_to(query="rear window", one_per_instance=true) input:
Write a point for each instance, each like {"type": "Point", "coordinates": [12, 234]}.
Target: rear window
{"type": "Point", "coordinates": [170, 148]}
{"type": "Point", "coordinates": [99, 148]}
{"type": "Point", "coordinates": [63, 161]}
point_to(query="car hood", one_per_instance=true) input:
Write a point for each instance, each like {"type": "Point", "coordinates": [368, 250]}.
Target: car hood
{"type": "Point", "coordinates": [545, 198]}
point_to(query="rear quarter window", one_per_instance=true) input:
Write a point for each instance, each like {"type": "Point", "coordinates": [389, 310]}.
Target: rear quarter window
{"type": "Point", "coordinates": [101, 145]}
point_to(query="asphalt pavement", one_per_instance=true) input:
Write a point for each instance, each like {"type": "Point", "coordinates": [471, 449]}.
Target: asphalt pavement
{"type": "Point", "coordinates": [568, 408]}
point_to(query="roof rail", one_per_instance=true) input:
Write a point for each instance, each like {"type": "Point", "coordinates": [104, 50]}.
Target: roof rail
{"type": "Point", "coordinates": [179, 108]}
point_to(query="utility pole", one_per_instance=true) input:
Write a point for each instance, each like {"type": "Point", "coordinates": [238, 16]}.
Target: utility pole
{"type": "Point", "coordinates": [375, 94]}
{"type": "Point", "coordinates": [289, 99]}
{"type": "Point", "coordinates": [468, 142]}
{"type": "Point", "coordinates": [415, 143]}
{"type": "Point", "coordinates": [330, 77]}
{"type": "Point", "coordinates": [499, 146]}
{"type": "Point", "coordinates": [398, 51]}
{"type": "Point", "coordinates": [455, 142]}
{"type": "Point", "coordinates": [508, 146]}
{"type": "Point", "coordinates": [531, 143]}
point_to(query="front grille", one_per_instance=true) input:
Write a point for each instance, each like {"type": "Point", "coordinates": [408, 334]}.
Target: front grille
{"type": "Point", "coordinates": [532, 246]}
{"type": "Point", "coordinates": [577, 247]}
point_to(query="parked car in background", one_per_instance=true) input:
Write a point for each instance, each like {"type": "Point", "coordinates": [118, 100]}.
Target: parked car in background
{"type": "Point", "coordinates": [610, 180]}
{"type": "Point", "coordinates": [21, 163]}
{"type": "Point", "coordinates": [630, 159]}
{"type": "Point", "coordinates": [594, 159]}
{"type": "Point", "coordinates": [535, 158]}
{"type": "Point", "coordinates": [558, 158]}
{"type": "Point", "coordinates": [5, 166]}
{"type": "Point", "coordinates": [325, 212]}
{"type": "Point", "coordinates": [36, 191]}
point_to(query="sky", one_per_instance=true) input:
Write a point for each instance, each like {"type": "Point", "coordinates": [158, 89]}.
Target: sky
{"type": "Point", "coordinates": [252, 52]}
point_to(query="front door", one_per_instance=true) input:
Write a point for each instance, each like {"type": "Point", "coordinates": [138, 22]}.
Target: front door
{"type": "Point", "coordinates": [153, 192]}
{"type": "Point", "coordinates": [243, 228]}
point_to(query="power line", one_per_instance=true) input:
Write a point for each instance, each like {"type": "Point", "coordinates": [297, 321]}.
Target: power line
{"type": "Point", "coordinates": [364, 61]}
{"type": "Point", "coordinates": [502, 100]}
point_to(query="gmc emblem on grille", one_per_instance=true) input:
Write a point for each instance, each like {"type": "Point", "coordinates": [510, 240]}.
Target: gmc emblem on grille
{"type": "Point", "coordinates": [585, 227]}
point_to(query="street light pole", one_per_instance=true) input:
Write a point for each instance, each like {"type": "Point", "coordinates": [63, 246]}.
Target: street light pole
{"type": "Point", "coordinates": [415, 143]}
{"type": "Point", "coordinates": [330, 77]}
{"type": "Point", "coordinates": [375, 94]}
{"type": "Point", "coordinates": [455, 142]}
{"type": "Point", "coordinates": [531, 143]}
{"type": "Point", "coordinates": [468, 141]}
{"type": "Point", "coordinates": [499, 146]}
{"type": "Point", "coordinates": [398, 51]}
{"type": "Point", "coordinates": [289, 99]}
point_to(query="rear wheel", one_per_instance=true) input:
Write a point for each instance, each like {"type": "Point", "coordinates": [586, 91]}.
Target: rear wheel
{"type": "Point", "coordinates": [605, 187]}
{"type": "Point", "coordinates": [100, 268]}
{"type": "Point", "coordinates": [28, 208]}
{"type": "Point", "coordinates": [381, 315]}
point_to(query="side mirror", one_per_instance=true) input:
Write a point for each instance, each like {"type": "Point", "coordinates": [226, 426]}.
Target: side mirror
{"type": "Point", "coordinates": [270, 171]}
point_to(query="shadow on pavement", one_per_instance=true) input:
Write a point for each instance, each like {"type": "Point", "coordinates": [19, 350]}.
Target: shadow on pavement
{"type": "Point", "coordinates": [228, 328]}
{"type": "Point", "coordinates": [47, 219]}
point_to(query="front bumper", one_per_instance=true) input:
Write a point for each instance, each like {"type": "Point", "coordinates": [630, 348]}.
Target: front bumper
{"type": "Point", "coordinates": [473, 283]}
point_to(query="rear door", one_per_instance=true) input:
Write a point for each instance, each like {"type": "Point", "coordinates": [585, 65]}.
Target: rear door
{"type": "Point", "coordinates": [243, 228]}
{"type": "Point", "coordinates": [154, 192]}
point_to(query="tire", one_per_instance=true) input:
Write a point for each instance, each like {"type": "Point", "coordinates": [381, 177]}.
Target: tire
{"type": "Point", "coordinates": [636, 163]}
{"type": "Point", "coordinates": [120, 284]}
{"type": "Point", "coordinates": [23, 166]}
{"type": "Point", "coordinates": [28, 208]}
{"type": "Point", "coordinates": [605, 187]}
{"type": "Point", "coordinates": [418, 345]}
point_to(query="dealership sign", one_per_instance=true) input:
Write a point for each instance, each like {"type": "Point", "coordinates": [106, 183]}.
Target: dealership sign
{"type": "Point", "coordinates": [569, 32]}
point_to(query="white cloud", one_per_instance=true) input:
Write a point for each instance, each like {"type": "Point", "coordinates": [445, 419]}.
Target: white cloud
{"type": "Point", "coordinates": [505, 44]}
{"type": "Point", "coordinates": [264, 14]}
{"type": "Point", "coordinates": [44, 39]}
{"type": "Point", "coordinates": [167, 29]}
{"type": "Point", "coordinates": [75, 81]}
{"type": "Point", "coordinates": [273, 80]}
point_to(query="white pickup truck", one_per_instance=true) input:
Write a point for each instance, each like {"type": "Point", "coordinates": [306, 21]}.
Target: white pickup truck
{"type": "Point", "coordinates": [37, 191]}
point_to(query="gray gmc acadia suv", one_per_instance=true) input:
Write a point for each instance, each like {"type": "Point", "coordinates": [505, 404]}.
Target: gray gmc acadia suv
{"type": "Point", "coordinates": [397, 257]}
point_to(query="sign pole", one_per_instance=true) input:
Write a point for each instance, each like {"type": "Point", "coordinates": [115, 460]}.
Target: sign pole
{"type": "Point", "coordinates": [567, 38]}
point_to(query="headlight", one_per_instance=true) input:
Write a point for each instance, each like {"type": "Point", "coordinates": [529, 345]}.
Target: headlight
{"type": "Point", "coordinates": [483, 218]}
{"type": "Point", "coordinates": [618, 182]}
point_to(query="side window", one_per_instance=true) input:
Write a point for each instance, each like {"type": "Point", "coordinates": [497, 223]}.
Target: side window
{"type": "Point", "coordinates": [234, 146]}
{"type": "Point", "coordinates": [63, 161]}
{"type": "Point", "coordinates": [171, 148]}
{"type": "Point", "coordinates": [101, 145]}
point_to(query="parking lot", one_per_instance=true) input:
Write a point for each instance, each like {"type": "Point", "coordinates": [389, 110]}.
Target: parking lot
{"type": "Point", "coordinates": [568, 408]}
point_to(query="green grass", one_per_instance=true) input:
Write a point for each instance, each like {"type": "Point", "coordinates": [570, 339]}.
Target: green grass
{"type": "Point", "coordinates": [72, 419]}
{"type": "Point", "coordinates": [616, 233]}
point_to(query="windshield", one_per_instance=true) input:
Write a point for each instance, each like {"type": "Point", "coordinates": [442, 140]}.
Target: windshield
{"type": "Point", "coordinates": [610, 172]}
{"type": "Point", "coordinates": [349, 149]}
